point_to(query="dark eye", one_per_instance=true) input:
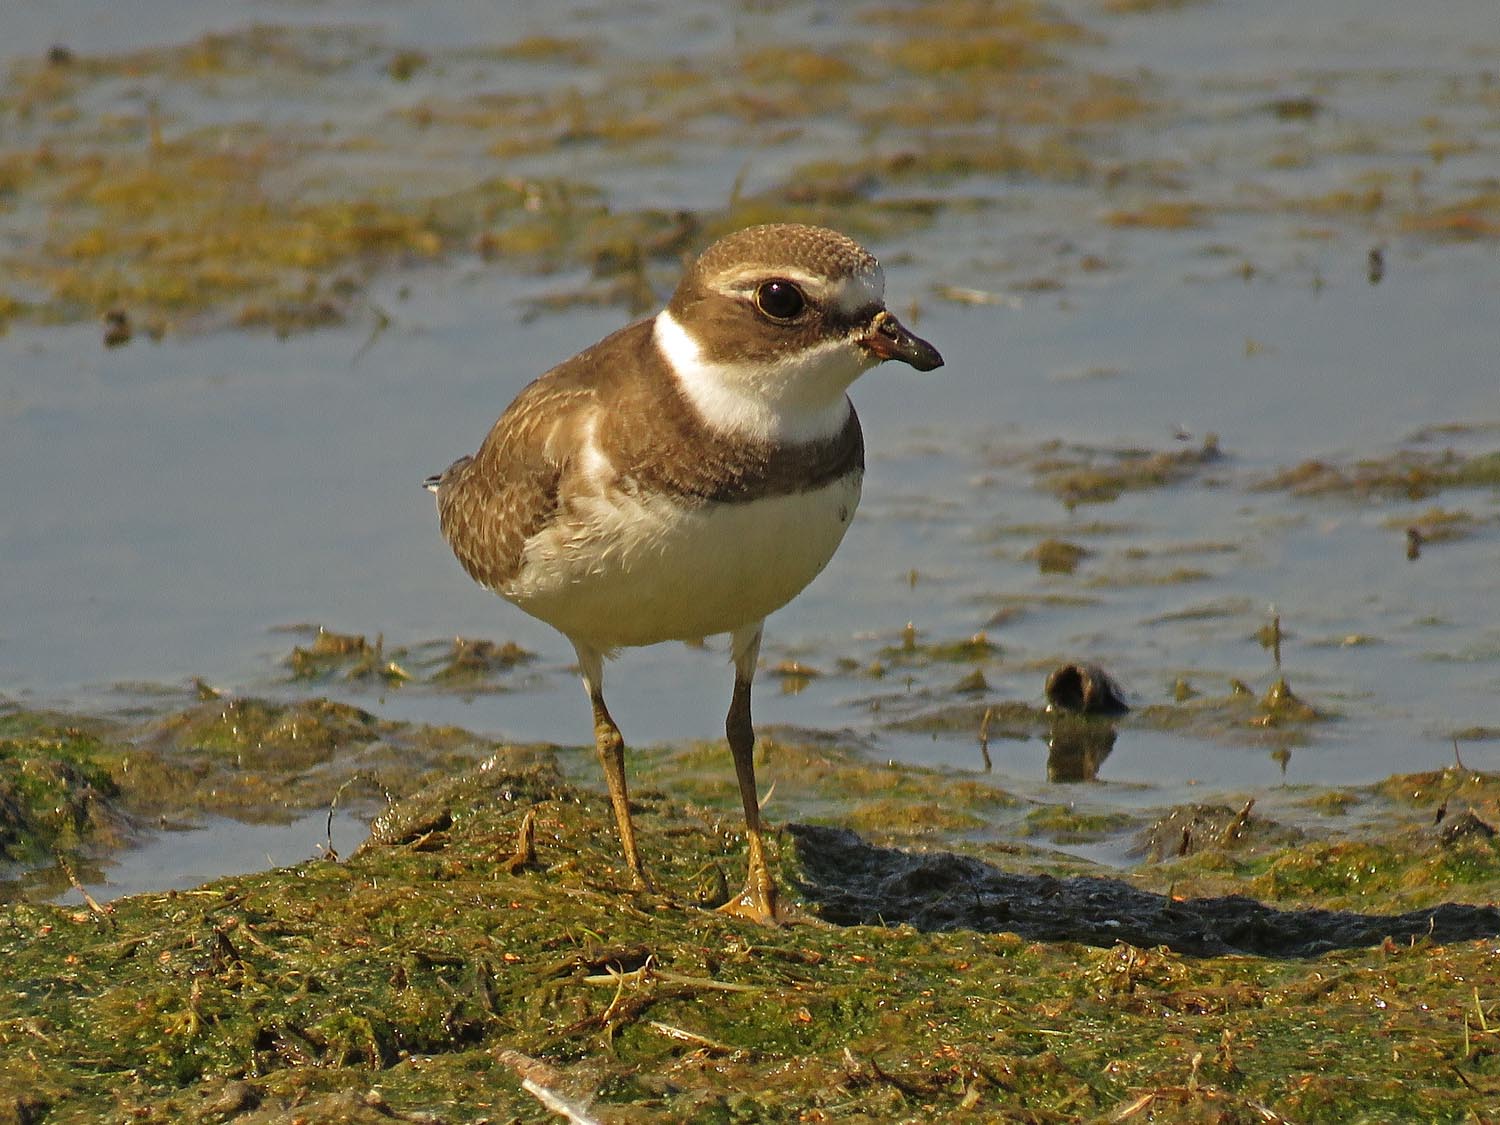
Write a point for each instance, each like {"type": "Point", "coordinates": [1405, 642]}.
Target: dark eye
{"type": "Point", "coordinates": [780, 300]}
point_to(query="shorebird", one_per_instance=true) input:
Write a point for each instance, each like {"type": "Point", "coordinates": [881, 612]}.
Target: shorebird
{"type": "Point", "coordinates": [686, 476]}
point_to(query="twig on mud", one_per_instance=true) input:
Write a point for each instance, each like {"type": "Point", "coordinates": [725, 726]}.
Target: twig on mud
{"type": "Point", "coordinates": [649, 972]}
{"type": "Point", "coordinates": [104, 913]}
{"type": "Point", "coordinates": [525, 853]}
{"type": "Point", "coordinates": [868, 1070]}
{"type": "Point", "coordinates": [540, 1081]}
{"type": "Point", "coordinates": [685, 1036]}
{"type": "Point", "coordinates": [637, 991]}
{"type": "Point", "coordinates": [1187, 1095]}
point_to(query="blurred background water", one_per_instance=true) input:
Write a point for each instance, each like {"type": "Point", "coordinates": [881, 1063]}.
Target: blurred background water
{"type": "Point", "coordinates": [167, 506]}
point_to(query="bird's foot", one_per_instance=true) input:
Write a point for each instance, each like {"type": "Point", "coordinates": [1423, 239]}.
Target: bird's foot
{"type": "Point", "coordinates": [760, 903]}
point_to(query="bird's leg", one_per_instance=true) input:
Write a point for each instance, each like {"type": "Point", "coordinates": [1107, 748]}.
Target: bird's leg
{"type": "Point", "coordinates": [758, 900]}
{"type": "Point", "coordinates": [610, 746]}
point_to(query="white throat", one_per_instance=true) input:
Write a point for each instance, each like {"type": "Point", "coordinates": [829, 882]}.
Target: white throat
{"type": "Point", "coordinates": [798, 398]}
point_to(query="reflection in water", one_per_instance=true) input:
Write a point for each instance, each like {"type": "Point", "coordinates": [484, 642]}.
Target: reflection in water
{"type": "Point", "coordinates": [1082, 699]}
{"type": "Point", "coordinates": [1077, 747]}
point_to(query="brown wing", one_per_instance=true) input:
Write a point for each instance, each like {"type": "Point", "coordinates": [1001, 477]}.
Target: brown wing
{"type": "Point", "coordinates": [490, 504]}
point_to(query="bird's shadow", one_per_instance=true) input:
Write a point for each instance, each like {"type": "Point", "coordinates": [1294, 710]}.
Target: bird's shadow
{"type": "Point", "coordinates": [852, 882]}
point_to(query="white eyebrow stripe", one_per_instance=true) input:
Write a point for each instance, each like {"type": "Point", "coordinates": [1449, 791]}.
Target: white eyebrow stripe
{"type": "Point", "coordinates": [847, 294]}
{"type": "Point", "coordinates": [745, 280]}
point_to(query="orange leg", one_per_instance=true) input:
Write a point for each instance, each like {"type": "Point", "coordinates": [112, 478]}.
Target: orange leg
{"type": "Point", "coordinates": [758, 900]}
{"type": "Point", "coordinates": [611, 748]}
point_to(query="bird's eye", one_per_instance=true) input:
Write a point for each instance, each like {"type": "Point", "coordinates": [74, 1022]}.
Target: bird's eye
{"type": "Point", "coordinates": [779, 300]}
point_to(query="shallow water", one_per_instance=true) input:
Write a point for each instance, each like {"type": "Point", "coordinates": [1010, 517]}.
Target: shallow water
{"type": "Point", "coordinates": [167, 506]}
{"type": "Point", "coordinates": [189, 856]}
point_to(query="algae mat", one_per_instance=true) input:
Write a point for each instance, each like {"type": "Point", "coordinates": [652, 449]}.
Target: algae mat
{"type": "Point", "coordinates": [429, 975]}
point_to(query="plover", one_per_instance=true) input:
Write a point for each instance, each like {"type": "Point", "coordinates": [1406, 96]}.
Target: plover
{"type": "Point", "coordinates": [686, 476]}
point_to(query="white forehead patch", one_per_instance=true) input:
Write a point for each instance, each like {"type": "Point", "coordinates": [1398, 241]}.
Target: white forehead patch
{"type": "Point", "coordinates": [850, 294]}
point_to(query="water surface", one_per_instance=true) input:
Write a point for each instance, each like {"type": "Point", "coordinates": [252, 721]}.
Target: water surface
{"type": "Point", "coordinates": [167, 506]}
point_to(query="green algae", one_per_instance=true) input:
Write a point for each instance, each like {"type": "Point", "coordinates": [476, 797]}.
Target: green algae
{"type": "Point", "coordinates": [1438, 525]}
{"type": "Point", "coordinates": [57, 795]}
{"type": "Point", "coordinates": [463, 664]}
{"type": "Point", "coordinates": [1162, 214]}
{"type": "Point", "coordinates": [170, 220]}
{"type": "Point", "coordinates": [1213, 830]}
{"type": "Point", "coordinates": [819, 778]}
{"type": "Point", "coordinates": [1356, 873]}
{"type": "Point", "coordinates": [74, 790]}
{"type": "Point", "coordinates": [1084, 476]}
{"type": "Point", "coordinates": [1277, 716]}
{"type": "Point", "coordinates": [419, 975]}
{"type": "Point", "coordinates": [1410, 473]}
{"type": "Point", "coordinates": [408, 969]}
{"type": "Point", "coordinates": [348, 655]}
{"type": "Point", "coordinates": [1333, 802]}
{"type": "Point", "coordinates": [1042, 1051]}
{"type": "Point", "coordinates": [910, 651]}
{"type": "Point", "coordinates": [1068, 824]}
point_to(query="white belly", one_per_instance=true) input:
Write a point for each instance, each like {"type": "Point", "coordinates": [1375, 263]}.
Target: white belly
{"type": "Point", "coordinates": [635, 572]}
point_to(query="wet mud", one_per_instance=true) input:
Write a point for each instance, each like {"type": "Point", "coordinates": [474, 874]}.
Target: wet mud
{"type": "Point", "coordinates": [485, 950]}
{"type": "Point", "coordinates": [853, 883]}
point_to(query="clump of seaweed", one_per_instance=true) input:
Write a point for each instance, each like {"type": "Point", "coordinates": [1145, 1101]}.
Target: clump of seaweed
{"type": "Point", "coordinates": [1412, 474]}
{"type": "Point", "coordinates": [1081, 476]}
{"type": "Point", "coordinates": [348, 655]}
{"type": "Point", "coordinates": [487, 931]}
{"type": "Point", "coordinates": [466, 664]}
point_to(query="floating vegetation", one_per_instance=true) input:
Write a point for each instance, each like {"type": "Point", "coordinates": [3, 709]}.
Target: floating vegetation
{"type": "Point", "coordinates": [1082, 476]}
{"type": "Point", "coordinates": [1412, 474]}
{"type": "Point", "coordinates": [350, 656]}
{"type": "Point", "coordinates": [1276, 716]}
{"type": "Point", "coordinates": [1057, 556]}
{"type": "Point", "coordinates": [911, 651]}
{"type": "Point", "coordinates": [462, 664]}
{"type": "Point", "coordinates": [181, 208]}
{"type": "Point", "coordinates": [1162, 215]}
{"type": "Point", "coordinates": [472, 662]}
{"type": "Point", "coordinates": [1474, 218]}
{"type": "Point", "coordinates": [1437, 525]}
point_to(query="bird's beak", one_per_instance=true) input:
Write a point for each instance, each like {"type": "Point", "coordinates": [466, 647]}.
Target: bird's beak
{"type": "Point", "coordinates": [888, 338]}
